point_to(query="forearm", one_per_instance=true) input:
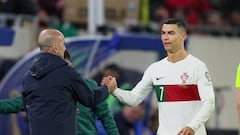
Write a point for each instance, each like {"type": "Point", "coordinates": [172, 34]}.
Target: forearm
{"type": "Point", "coordinates": [203, 115]}
{"type": "Point", "coordinates": [133, 97]}
{"type": "Point", "coordinates": [100, 94]}
{"type": "Point", "coordinates": [13, 105]}
{"type": "Point", "coordinates": [105, 116]}
{"type": "Point", "coordinates": [14, 124]}
{"type": "Point", "coordinates": [82, 91]}
{"type": "Point", "coordinates": [126, 97]}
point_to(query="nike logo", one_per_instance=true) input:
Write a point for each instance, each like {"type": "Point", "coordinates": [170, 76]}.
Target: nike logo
{"type": "Point", "coordinates": [158, 78]}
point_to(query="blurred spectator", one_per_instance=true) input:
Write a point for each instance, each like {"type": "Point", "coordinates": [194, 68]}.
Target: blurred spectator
{"type": "Point", "coordinates": [216, 4]}
{"type": "Point", "coordinates": [214, 18]}
{"type": "Point", "coordinates": [204, 6]}
{"type": "Point", "coordinates": [188, 10]}
{"type": "Point", "coordinates": [51, 8]}
{"type": "Point", "coordinates": [179, 13]}
{"type": "Point", "coordinates": [192, 17]}
{"type": "Point", "coordinates": [161, 14]}
{"type": "Point", "coordinates": [186, 4]}
{"type": "Point", "coordinates": [154, 6]}
{"type": "Point", "coordinates": [18, 7]}
{"type": "Point", "coordinates": [153, 124]}
{"type": "Point", "coordinates": [230, 5]}
{"type": "Point", "coordinates": [10, 8]}
{"type": "Point", "coordinates": [51, 15]}
{"type": "Point", "coordinates": [235, 18]}
{"type": "Point", "coordinates": [127, 118]}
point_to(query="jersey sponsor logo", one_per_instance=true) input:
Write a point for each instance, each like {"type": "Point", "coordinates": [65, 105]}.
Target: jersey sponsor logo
{"type": "Point", "coordinates": [159, 78]}
{"type": "Point", "coordinates": [208, 77]}
{"type": "Point", "coordinates": [184, 77]}
{"type": "Point", "coordinates": [176, 93]}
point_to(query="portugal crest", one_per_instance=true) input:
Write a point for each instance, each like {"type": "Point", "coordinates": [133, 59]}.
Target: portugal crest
{"type": "Point", "coordinates": [184, 77]}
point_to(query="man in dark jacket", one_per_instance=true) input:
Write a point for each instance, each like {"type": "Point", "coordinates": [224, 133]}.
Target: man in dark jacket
{"type": "Point", "coordinates": [86, 124]}
{"type": "Point", "coordinates": [51, 89]}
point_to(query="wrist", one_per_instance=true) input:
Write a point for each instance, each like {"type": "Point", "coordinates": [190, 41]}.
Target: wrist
{"type": "Point", "coordinates": [111, 90]}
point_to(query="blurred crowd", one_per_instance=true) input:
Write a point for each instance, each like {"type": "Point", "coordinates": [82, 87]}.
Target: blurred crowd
{"type": "Point", "coordinates": [217, 17]}
{"type": "Point", "coordinates": [199, 12]}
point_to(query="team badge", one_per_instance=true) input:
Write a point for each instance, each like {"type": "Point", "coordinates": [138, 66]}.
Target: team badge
{"type": "Point", "coordinates": [184, 77]}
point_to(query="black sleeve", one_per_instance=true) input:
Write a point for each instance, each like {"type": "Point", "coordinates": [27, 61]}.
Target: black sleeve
{"type": "Point", "coordinates": [85, 95]}
{"type": "Point", "coordinates": [100, 94]}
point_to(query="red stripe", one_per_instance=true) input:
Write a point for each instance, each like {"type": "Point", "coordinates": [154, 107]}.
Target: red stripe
{"type": "Point", "coordinates": [181, 93]}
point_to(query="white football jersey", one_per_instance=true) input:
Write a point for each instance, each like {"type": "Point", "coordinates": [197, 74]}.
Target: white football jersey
{"type": "Point", "coordinates": [184, 92]}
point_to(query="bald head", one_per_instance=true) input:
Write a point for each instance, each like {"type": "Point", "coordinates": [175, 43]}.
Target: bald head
{"type": "Point", "coordinates": [48, 37]}
{"type": "Point", "coordinates": [52, 41]}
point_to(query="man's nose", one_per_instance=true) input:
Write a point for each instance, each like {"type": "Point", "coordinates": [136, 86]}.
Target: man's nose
{"type": "Point", "coordinates": [165, 37]}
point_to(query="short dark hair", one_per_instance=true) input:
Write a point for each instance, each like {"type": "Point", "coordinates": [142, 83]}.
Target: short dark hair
{"type": "Point", "coordinates": [113, 67]}
{"type": "Point", "coordinates": [180, 23]}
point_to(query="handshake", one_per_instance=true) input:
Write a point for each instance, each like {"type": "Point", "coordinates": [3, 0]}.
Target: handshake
{"type": "Point", "coordinates": [110, 82]}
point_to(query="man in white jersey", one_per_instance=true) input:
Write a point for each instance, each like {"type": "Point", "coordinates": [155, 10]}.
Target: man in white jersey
{"type": "Point", "coordinates": [182, 84]}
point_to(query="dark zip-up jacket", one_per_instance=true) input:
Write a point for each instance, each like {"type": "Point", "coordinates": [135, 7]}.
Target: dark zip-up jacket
{"type": "Point", "coordinates": [51, 89]}
{"type": "Point", "coordinates": [86, 124]}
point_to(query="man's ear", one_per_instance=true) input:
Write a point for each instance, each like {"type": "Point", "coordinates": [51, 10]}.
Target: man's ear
{"type": "Point", "coordinates": [54, 49]}
{"type": "Point", "coordinates": [184, 35]}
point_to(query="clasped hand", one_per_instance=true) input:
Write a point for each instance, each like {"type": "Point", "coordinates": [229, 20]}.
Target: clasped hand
{"type": "Point", "coordinates": [110, 82]}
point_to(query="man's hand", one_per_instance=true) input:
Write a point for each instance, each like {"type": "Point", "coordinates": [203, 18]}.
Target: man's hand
{"type": "Point", "coordinates": [14, 93]}
{"type": "Point", "coordinates": [77, 111]}
{"type": "Point", "coordinates": [106, 80]}
{"type": "Point", "coordinates": [110, 82]}
{"type": "Point", "coordinates": [186, 131]}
